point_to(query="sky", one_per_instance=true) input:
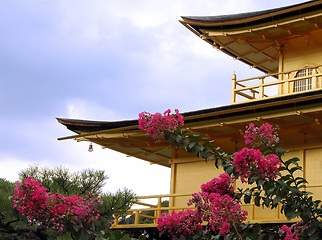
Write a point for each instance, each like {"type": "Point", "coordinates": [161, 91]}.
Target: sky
{"type": "Point", "coordinates": [105, 60]}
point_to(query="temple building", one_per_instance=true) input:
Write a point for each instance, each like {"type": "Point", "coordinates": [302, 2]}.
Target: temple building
{"type": "Point", "coordinates": [286, 45]}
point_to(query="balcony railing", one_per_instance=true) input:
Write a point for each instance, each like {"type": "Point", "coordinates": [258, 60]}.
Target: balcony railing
{"type": "Point", "coordinates": [255, 214]}
{"type": "Point", "coordinates": [276, 84]}
{"type": "Point", "coordinates": [142, 207]}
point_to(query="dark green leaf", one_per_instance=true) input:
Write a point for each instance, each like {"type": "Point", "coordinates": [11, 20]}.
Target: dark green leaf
{"type": "Point", "coordinates": [247, 198]}
{"type": "Point", "coordinates": [257, 201]}
{"type": "Point", "coordinates": [293, 160]}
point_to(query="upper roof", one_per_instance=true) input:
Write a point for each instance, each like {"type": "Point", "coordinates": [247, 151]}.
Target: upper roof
{"type": "Point", "coordinates": [255, 38]}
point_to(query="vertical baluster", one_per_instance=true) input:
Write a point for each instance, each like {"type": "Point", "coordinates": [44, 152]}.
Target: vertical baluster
{"type": "Point", "coordinates": [233, 88]}
{"type": "Point", "coordinates": [137, 218]}
{"type": "Point", "coordinates": [261, 87]}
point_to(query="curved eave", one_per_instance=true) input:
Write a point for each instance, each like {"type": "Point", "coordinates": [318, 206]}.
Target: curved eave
{"type": "Point", "coordinates": [255, 38]}
{"type": "Point", "coordinates": [125, 137]}
{"type": "Point", "coordinates": [253, 18]}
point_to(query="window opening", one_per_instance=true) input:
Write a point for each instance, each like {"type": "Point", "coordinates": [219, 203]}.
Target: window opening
{"type": "Point", "coordinates": [303, 84]}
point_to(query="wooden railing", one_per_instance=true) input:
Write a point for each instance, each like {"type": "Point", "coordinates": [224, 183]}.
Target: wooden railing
{"type": "Point", "coordinates": [156, 209]}
{"type": "Point", "coordinates": [272, 85]}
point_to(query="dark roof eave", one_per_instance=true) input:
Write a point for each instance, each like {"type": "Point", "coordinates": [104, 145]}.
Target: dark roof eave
{"type": "Point", "coordinates": [204, 114]}
{"type": "Point", "coordinates": [255, 17]}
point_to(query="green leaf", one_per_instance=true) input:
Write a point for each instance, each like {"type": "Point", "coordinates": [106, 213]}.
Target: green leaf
{"type": "Point", "coordinates": [247, 198]}
{"type": "Point", "coordinates": [257, 201]}
{"type": "Point", "coordinates": [76, 227]}
{"type": "Point", "coordinates": [293, 160]}
{"type": "Point", "coordinates": [266, 202]}
{"type": "Point", "coordinates": [290, 212]}
{"type": "Point", "coordinates": [85, 235]}
{"type": "Point", "coordinates": [191, 145]}
{"type": "Point", "coordinates": [205, 154]}
{"type": "Point", "coordinates": [293, 169]}
{"type": "Point", "coordinates": [277, 200]}
{"type": "Point", "coordinates": [229, 169]}
{"type": "Point", "coordinates": [282, 168]}
{"type": "Point", "coordinates": [100, 238]}
{"type": "Point", "coordinates": [141, 237]}
{"type": "Point", "coordinates": [197, 149]}
{"type": "Point", "coordinates": [260, 182]}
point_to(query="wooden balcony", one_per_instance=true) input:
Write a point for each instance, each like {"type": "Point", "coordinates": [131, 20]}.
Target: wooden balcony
{"type": "Point", "coordinates": [143, 206]}
{"type": "Point", "coordinates": [277, 84]}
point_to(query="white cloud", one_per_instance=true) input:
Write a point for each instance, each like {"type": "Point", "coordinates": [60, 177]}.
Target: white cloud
{"type": "Point", "coordinates": [86, 109]}
{"type": "Point", "coordinates": [11, 166]}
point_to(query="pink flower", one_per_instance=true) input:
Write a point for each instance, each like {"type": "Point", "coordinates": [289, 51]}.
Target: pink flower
{"type": "Point", "coordinates": [179, 224]}
{"type": "Point", "coordinates": [264, 135]}
{"type": "Point", "coordinates": [215, 204]}
{"type": "Point", "coordinates": [52, 211]}
{"type": "Point", "coordinates": [251, 162]}
{"type": "Point", "coordinates": [220, 211]}
{"type": "Point", "coordinates": [221, 185]}
{"type": "Point", "coordinates": [155, 124]}
{"type": "Point", "coordinates": [288, 233]}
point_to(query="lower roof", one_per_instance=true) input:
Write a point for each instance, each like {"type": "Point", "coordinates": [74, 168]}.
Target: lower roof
{"type": "Point", "coordinates": [294, 114]}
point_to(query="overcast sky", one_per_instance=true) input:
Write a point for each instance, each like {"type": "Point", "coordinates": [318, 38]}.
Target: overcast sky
{"type": "Point", "coordinates": [104, 60]}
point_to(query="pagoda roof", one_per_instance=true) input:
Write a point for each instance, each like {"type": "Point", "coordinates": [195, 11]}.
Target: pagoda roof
{"type": "Point", "coordinates": [223, 124]}
{"type": "Point", "coordinates": [256, 38]}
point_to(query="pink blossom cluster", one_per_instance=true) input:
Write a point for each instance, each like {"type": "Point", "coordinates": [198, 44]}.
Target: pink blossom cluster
{"type": "Point", "coordinates": [266, 135]}
{"type": "Point", "coordinates": [30, 198]}
{"type": "Point", "coordinates": [179, 224]}
{"type": "Point", "coordinates": [155, 124]}
{"type": "Point", "coordinates": [53, 211]}
{"type": "Point", "coordinates": [221, 185]}
{"type": "Point", "coordinates": [288, 233]}
{"type": "Point", "coordinates": [219, 211]}
{"type": "Point", "coordinates": [215, 204]}
{"type": "Point", "coordinates": [251, 162]}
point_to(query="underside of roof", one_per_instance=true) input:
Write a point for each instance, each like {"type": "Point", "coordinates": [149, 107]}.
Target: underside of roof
{"type": "Point", "coordinates": [256, 38]}
{"type": "Point", "coordinates": [295, 115]}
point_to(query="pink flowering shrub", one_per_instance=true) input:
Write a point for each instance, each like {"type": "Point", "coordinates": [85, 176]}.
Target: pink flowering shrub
{"type": "Point", "coordinates": [220, 211]}
{"type": "Point", "coordinates": [155, 124]}
{"type": "Point", "coordinates": [53, 211]}
{"type": "Point", "coordinates": [218, 206]}
{"type": "Point", "coordinates": [31, 199]}
{"type": "Point", "coordinates": [221, 185]}
{"type": "Point", "coordinates": [215, 204]}
{"type": "Point", "coordinates": [288, 233]}
{"type": "Point", "coordinates": [179, 224]}
{"type": "Point", "coordinates": [264, 135]}
{"type": "Point", "coordinates": [251, 162]}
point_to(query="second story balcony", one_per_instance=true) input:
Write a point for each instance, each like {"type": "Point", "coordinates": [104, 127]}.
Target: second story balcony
{"type": "Point", "coordinates": [276, 84]}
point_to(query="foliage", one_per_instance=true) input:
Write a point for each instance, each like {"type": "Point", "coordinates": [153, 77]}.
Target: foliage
{"type": "Point", "coordinates": [113, 204]}
{"type": "Point", "coordinates": [274, 183]}
{"type": "Point", "coordinates": [14, 225]}
{"type": "Point", "coordinates": [66, 182]}
{"type": "Point", "coordinates": [46, 210]}
{"type": "Point", "coordinates": [11, 221]}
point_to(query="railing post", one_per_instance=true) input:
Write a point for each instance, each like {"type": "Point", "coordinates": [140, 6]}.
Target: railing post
{"type": "Point", "coordinates": [261, 88]}
{"type": "Point", "coordinates": [137, 217]}
{"type": "Point", "coordinates": [158, 212]}
{"type": "Point", "coordinates": [233, 88]}
{"type": "Point", "coordinates": [116, 220]}
{"type": "Point", "coordinates": [314, 79]}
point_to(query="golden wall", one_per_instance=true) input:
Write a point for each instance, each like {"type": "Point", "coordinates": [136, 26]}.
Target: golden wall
{"type": "Point", "coordinates": [189, 173]}
{"type": "Point", "coordinates": [299, 53]}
